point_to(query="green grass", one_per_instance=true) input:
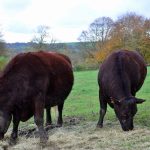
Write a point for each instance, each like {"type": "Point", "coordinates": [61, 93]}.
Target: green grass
{"type": "Point", "coordinates": [143, 114]}
{"type": "Point", "coordinates": [83, 100]}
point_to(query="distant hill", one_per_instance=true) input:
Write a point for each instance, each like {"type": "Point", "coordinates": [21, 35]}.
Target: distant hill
{"type": "Point", "coordinates": [21, 47]}
{"type": "Point", "coordinates": [18, 46]}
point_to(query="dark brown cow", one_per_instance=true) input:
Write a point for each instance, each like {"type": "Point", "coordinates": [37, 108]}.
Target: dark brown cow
{"type": "Point", "coordinates": [29, 83]}
{"type": "Point", "coordinates": [120, 77]}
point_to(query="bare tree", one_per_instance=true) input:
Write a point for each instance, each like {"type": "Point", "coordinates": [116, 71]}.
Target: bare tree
{"type": "Point", "coordinates": [42, 38]}
{"type": "Point", "coordinates": [96, 35]}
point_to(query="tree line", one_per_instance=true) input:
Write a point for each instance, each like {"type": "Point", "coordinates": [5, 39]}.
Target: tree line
{"type": "Point", "coordinates": [130, 31]}
{"type": "Point", "coordinates": [104, 35]}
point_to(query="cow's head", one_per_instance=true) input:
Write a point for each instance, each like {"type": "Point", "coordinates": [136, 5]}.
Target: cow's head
{"type": "Point", "coordinates": [5, 120]}
{"type": "Point", "coordinates": [125, 110]}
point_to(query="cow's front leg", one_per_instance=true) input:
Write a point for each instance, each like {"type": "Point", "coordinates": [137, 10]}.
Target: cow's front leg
{"type": "Point", "coordinates": [48, 116]}
{"type": "Point", "coordinates": [14, 133]}
{"type": "Point", "coordinates": [103, 108]}
{"type": "Point", "coordinates": [39, 118]}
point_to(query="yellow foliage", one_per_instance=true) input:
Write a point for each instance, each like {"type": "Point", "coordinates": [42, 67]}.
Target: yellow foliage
{"type": "Point", "coordinates": [110, 46]}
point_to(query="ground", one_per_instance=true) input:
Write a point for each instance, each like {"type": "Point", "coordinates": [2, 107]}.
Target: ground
{"type": "Point", "coordinates": [78, 134]}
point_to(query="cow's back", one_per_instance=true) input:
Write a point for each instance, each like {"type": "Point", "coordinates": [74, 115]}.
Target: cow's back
{"type": "Point", "coordinates": [123, 67]}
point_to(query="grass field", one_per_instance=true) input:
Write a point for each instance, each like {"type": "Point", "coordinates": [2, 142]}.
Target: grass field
{"type": "Point", "coordinates": [81, 112]}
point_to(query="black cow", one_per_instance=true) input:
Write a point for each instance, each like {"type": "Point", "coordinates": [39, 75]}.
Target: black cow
{"type": "Point", "coordinates": [120, 76]}
{"type": "Point", "coordinates": [29, 83]}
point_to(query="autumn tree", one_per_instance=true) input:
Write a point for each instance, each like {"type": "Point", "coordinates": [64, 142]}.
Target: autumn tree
{"type": "Point", "coordinates": [129, 28]}
{"type": "Point", "coordinates": [144, 44]}
{"type": "Point", "coordinates": [111, 45]}
{"type": "Point", "coordinates": [130, 31]}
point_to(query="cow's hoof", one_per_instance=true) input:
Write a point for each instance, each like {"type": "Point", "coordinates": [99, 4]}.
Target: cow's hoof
{"type": "Point", "coordinates": [49, 127]}
{"type": "Point", "coordinates": [59, 125]}
{"type": "Point", "coordinates": [43, 138]}
{"type": "Point", "coordinates": [1, 136]}
{"type": "Point", "coordinates": [99, 126]}
{"type": "Point", "coordinates": [48, 124]}
{"type": "Point", "coordinates": [12, 141]}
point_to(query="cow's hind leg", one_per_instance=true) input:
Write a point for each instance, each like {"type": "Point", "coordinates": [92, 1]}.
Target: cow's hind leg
{"type": "Point", "coordinates": [48, 116]}
{"type": "Point", "coordinates": [38, 117]}
{"type": "Point", "coordinates": [60, 120]}
{"type": "Point", "coordinates": [48, 123]}
{"type": "Point", "coordinates": [103, 108]}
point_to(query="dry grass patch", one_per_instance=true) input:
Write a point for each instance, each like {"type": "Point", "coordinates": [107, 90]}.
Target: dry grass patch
{"type": "Point", "coordinates": [86, 136]}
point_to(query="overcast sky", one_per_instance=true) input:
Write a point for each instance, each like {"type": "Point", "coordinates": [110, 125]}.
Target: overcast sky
{"type": "Point", "coordinates": [66, 18]}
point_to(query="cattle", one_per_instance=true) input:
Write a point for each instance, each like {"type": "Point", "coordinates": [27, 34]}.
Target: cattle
{"type": "Point", "coordinates": [120, 76]}
{"type": "Point", "coordinates": [29, 83]}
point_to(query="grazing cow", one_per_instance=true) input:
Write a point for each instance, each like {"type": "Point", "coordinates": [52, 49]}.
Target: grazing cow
{"type": "Point", "coordinates": [120, 76]}
{"type": "Point", "coordinates": [29, 83]}
{"type": "Point", "coordinates": [48, 108]}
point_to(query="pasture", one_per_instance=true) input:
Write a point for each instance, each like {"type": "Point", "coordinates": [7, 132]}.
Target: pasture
{"type": "Point", "coordinates": [81, 112]}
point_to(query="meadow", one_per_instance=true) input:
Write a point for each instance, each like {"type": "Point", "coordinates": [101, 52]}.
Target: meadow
{"type": "Point", "coordinates": [81, 112]}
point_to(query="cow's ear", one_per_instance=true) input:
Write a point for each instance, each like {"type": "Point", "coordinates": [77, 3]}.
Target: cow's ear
{"type": "Point", "coordinates": [139, 101]}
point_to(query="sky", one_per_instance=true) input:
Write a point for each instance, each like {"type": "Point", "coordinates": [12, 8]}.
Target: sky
{"type": "Point", "coordinates": [66, 18]}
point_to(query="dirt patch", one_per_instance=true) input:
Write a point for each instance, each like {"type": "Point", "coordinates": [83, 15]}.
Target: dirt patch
{"type": "Point", "coordinates": [84, 136]}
